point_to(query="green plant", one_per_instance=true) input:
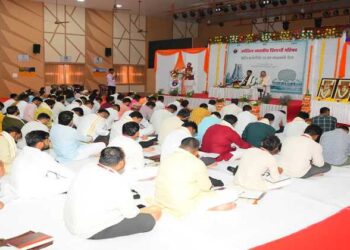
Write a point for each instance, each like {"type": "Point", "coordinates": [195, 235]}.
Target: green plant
{"type": "Point", "coordinates": [266, 98]}
{"type": "Point", "coordinates": [190, 93]}
{"type": "Point", "coordinates": [174, 92]}
{"type": "Point", "coordinates": [254, 103]}
{"type": "Point", "coordinates": [160, 91]}
{"type": "Point", "coordinates": [244, 99]}
{"type": "Point", "coordinates": [284, 100]}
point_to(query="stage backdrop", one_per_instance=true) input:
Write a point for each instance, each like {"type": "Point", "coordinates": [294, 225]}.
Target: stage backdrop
{"type": "Point", "coordinates": [168, 60]}
{"type": "Point", "coordinates": [284, 63]}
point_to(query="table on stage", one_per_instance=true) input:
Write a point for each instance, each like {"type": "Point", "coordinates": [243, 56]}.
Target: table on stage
{"type": "Point", "coordinates": [217, 92]}
{"type": "Point", "coordinates": [339, 110]}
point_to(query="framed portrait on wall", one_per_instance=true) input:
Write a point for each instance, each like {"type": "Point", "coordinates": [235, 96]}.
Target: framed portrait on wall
{"type": "Point", "coordinates": [326, 88]}
{"type": "Point", "coordinates": [342, 91]}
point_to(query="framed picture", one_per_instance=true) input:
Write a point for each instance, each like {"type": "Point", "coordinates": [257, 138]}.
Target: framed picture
{"type": "Point", "coordinates": [342, 91]}
{"type": "Point", "coordinates": [326, 88]}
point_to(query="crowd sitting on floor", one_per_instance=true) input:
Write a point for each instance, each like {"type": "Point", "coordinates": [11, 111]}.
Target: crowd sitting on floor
{"type": "Point", "coordinates": [42, 132]}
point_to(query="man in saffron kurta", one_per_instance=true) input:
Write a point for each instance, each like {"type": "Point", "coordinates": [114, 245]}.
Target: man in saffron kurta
{"type": "Point", "coordinates": [220, 137]}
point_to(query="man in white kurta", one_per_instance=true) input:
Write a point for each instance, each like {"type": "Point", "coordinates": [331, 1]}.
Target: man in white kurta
{"type": "Point", "coordinates": [94, 125]}
{"type": "Point", "coordinates": [280, 119]}
{"type": "Point", "coordinates": [231, 109]}
{"type": "Point", "coordinates": [58, 108]}
{"type": "Point", "coordinates": [297, 126]}
{"type": "Point", "coordinates": [35, 173]}
{"type": "Point", "coordinates": [160, 115]}
{"type": "Point", "coordinates": [117, 127]}
{"type": "Point", "coordinates": [244, 118]}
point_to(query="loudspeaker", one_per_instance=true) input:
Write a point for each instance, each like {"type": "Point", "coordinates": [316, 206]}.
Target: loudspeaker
{"type": "Point", "coordinates": [318, 22]}
{"type": "Point", "coordinates": [285, 25]}
{"type": "Point", "coordinates": [36, 48]}
{"type": "Point", "coordinates": [108, 52]}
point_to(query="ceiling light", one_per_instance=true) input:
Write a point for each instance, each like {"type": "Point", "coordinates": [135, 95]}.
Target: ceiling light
{"type": "Point", "coordinates": [118, 6]}
{"type": "Point", "coordinates": [81, 0]}
{"type": "Point", "coordinates": [184, 14]}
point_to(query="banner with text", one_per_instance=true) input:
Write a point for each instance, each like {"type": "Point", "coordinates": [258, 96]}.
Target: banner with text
{"type": "Point", "coordinates": [284, 63]}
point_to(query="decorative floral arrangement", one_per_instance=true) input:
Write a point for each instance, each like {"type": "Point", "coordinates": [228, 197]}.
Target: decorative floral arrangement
{"type": "Point", "coordinates": [160, 92]}
{"type": "Point", "coordinates": [190, 93]}
{"type": "Point", "coordinates": [284, 100]}
{"type": "Point", "coordinates": [266, 98]}
{"type": "Point", "coordinates": [244, 99]}
{"type": "Point", "coordinates": [254, 103]}
{"type": "Point", "coordinates": [174, 92]}
{"type": "Point", "coordinates": [316, 33]}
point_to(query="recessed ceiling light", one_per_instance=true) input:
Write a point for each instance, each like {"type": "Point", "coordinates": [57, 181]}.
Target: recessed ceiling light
{"type": "Point", "coordinates": [81, 0]}
{"type": "Point", "coordinates": [119, 6]}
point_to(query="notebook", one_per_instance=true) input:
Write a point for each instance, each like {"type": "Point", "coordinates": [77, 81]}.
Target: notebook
{"type": "Point", "coordinates": [251, 195]}
{"type": "Point", "coordinates": [30, 240]}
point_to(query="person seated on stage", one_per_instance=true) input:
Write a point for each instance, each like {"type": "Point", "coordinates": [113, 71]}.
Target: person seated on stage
{"type": "Point", "coordinates": [336, 146]}
{"type": "Point", "coordinates": [1, 115]}
{"type": "Point", "coordinates": [106, 210]}
{"type": "Point", "coordinates": [132, 149]}
{"type": "Point", "coordinates": [109, 102]}
{"type": "Point", "coordinates": [198, 114]}
{"type": "Point", "coordinates": [160, 103]}
{"type": "Point", "coordinates": [211, 106]}
{"type": "Point", "coordinates": [12, 119]}
{"type": "Point", "coordinates": [30, 109]}
{"type": "Point", "coordinates": [160, 115]}
{"type": "Point", "coordinates": [147, 110]}
{"type": "Point", "coordinates": [325, 120]}
{"type": "Point", "coordinates": [58, 108]}
{"type": "Point", "coordinates": [256, 132]}
{"type": "Point", "coordinates": [248, 79]}
{"type": "Point", "coordinates": [172, 123]}
{"type": "Point", "coordinates": [244, 118]}
{"type": "Point", "coordinates": [68, 144]}
{"type": "Point", "coordinates": [301, 156]}
{"type": "Point", "coordinates": [183, 185]}
{"type": "Point", "coordinates": [255, 162]}
{"type": "Point", "coordinates": [35, 173]}
{"type": "Point", "coordinates": [9, 102]}
{"type": "Point", "coordinates": [264, 82]}
{"type": "Point", "coordinates": [8, 148]}
{"type": "Point", "coordinates": [45, 107]}
{"type": "Point", "coordinates": [124, 106]}
{"type": "Point", "coordinates": [117, 127]}
{"type": "Point", "coordinates": [297, 126]}
{"type": "Point", "coordinates": [231, 109]}
{"type": "Point", "coordinates": [207, 122]}
{"type": "Point", "coordinates": [39, 124]}
{"type": "Point", "coordinates": [173, 140]}
{"type": "Point", "coordinates": [94, 125]}
{"type": "Point", "coordinates": [220, 137]}
{"type": "Point", "coordinates": [280, 120]}
{"type": "Point", "coordinates": [87, 107]}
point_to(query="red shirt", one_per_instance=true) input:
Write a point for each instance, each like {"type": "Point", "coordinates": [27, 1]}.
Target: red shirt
{"type": "Point", "coordinates": [218, 139]}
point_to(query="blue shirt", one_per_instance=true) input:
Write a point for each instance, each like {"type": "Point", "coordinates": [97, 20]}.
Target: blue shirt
{"type": "Point", "coordinates": [336, 146]}
{"type": "Point", "coordinates": [205, 124]}
{"type": "Point", "coordinates": [65, 142]}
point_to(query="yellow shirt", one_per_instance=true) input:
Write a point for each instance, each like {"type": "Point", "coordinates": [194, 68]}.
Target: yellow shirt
{"type": "Point", "coordinates": [44, 109]}
{"type": "Point", "coordinates": [182, 182]}
{"type": "Point", "coordinates": [5, 154]}
{"type": "Point", "coordinates": [1, 119]}
{"type": "Point", "coordinates": [198, 114]}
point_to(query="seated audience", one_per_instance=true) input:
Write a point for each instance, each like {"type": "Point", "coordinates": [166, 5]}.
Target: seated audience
{"type": "Point", "coordinates": [183, 185]}
{"type": "Point", "coordinates": [45, 107]}
{"type": "Point", "coordinates": [255, 162]}
{"type": "Point", "coordinates": [198, 114]}
{"type": "Point", "coordinates": [244, 118]}
{"type": "Point", "coordinates": [220, 137]}
{"type": "Point", "coordinates": [124, 106]}
{"type": "Point", "coordinates": [109, 102]}
{"type": "Point", "coordinates": [231, 109]}
{"type": "Point", "coordinates": [87, 107]}
{"type": "Point", "coordinates": [211, 106]}
{"type": "Point", "coordinates": [94, 125]}
{"type": "Point", "coordinates": [325, 120]}
{"type": "Point", "coordinates": [256, 132]}
{"type": "Point", "coordinates": [96, 104]}
{"type": "Point", "coordinates": [160, 115]}
{"type": "Point", "coordinates": [12, 119]}
{"type": "Point", "coordinates": [297, 126]}
{"type": "Point", "coordinates": [113, 115]}
{"type": "Point", "coordinates": [206, 123]}
{"type": "Point", "coordinates": [8, 148]}
{"type": "Point", "coordinates": [172, 123]}
{"type": "Point", "coordinates": [301, 156]}
{"type": "Point", "coordinates": [147, 110]}
{"type": "Point", "coordinates": [68, 144]}
{"type": "Point", "coordinates": [30, 109]}
{"type": "Point", "coordinates": [35, 173]}
{"type": "Point", "coordinates": [117, 127]}
{"type": "Point", "coordinates": [160, 103]}
{"type": "Point", "coordinates": [336, 146]}
{"type": "Point", "coordinates": [39, 124]}
{"type": "Point", "coordinates": [174, 139]}
{"type": "Point", "coordinates": [107, 209]}
{"type": "Point", "coordinates": [280, 120]}
{"type": "Point", "coordinates": [9, 102]}
{"type": "Point", "coordinates": [22, 102]}
{"type": "Point", "coordinates": [78, 115]}
{"type": "Point", "coordinates": [58, 108]}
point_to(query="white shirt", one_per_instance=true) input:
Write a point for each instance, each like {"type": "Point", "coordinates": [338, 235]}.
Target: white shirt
{"type": "Point", "coordinates": [280, 118]}
{"type": "Point", "coordinates": [86, 110]}
{"type": "Point", "coordinates": [92, 125]}
{"type": "Point", "coordinates": [231, 109]}
{"type": "Point", "coordinates": [159, 105]}
{"type": "Point", "coordinates": [21, 105]}
{"type": "Point", "coordinates": [7, 104]}
{"type": "Point", "coordinates": [110, 80]}
{"type": "Point", "coordinates": [35, 173]}
{"type": "Point", "coordinates": [96, 106]}
{"type": "Point", "coordinates": [158, 117]}
{"type": "Point", "coordinates": [168, 125]}
{"type": "Point", "coordinates": [244, 118]}
{"type": "Point", "coordinates": [93, 207]}
{"type": "Point", "coordinates": [253, 164]}
{"type": "Point", "coordinates": [297, 154]}
{"type": "Point", "coordinates": [133, 152]}
{"type": "Point", "coordinates": [113, 117]}
{"type": "Point", "coordinates": [73, 105]}
{"type": "Point", "coordinates": [211, 108]}
{"type": "Point", "coordinates": [173, 140]}
{"type": "Point", "coordinates": [57, 109]}
{"type": "Point", "coordinates": [29, 127]}
{"type": "Point", "coordinates": [295, 128]}
{"type": "Point", "coordinates": [117, 127]}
